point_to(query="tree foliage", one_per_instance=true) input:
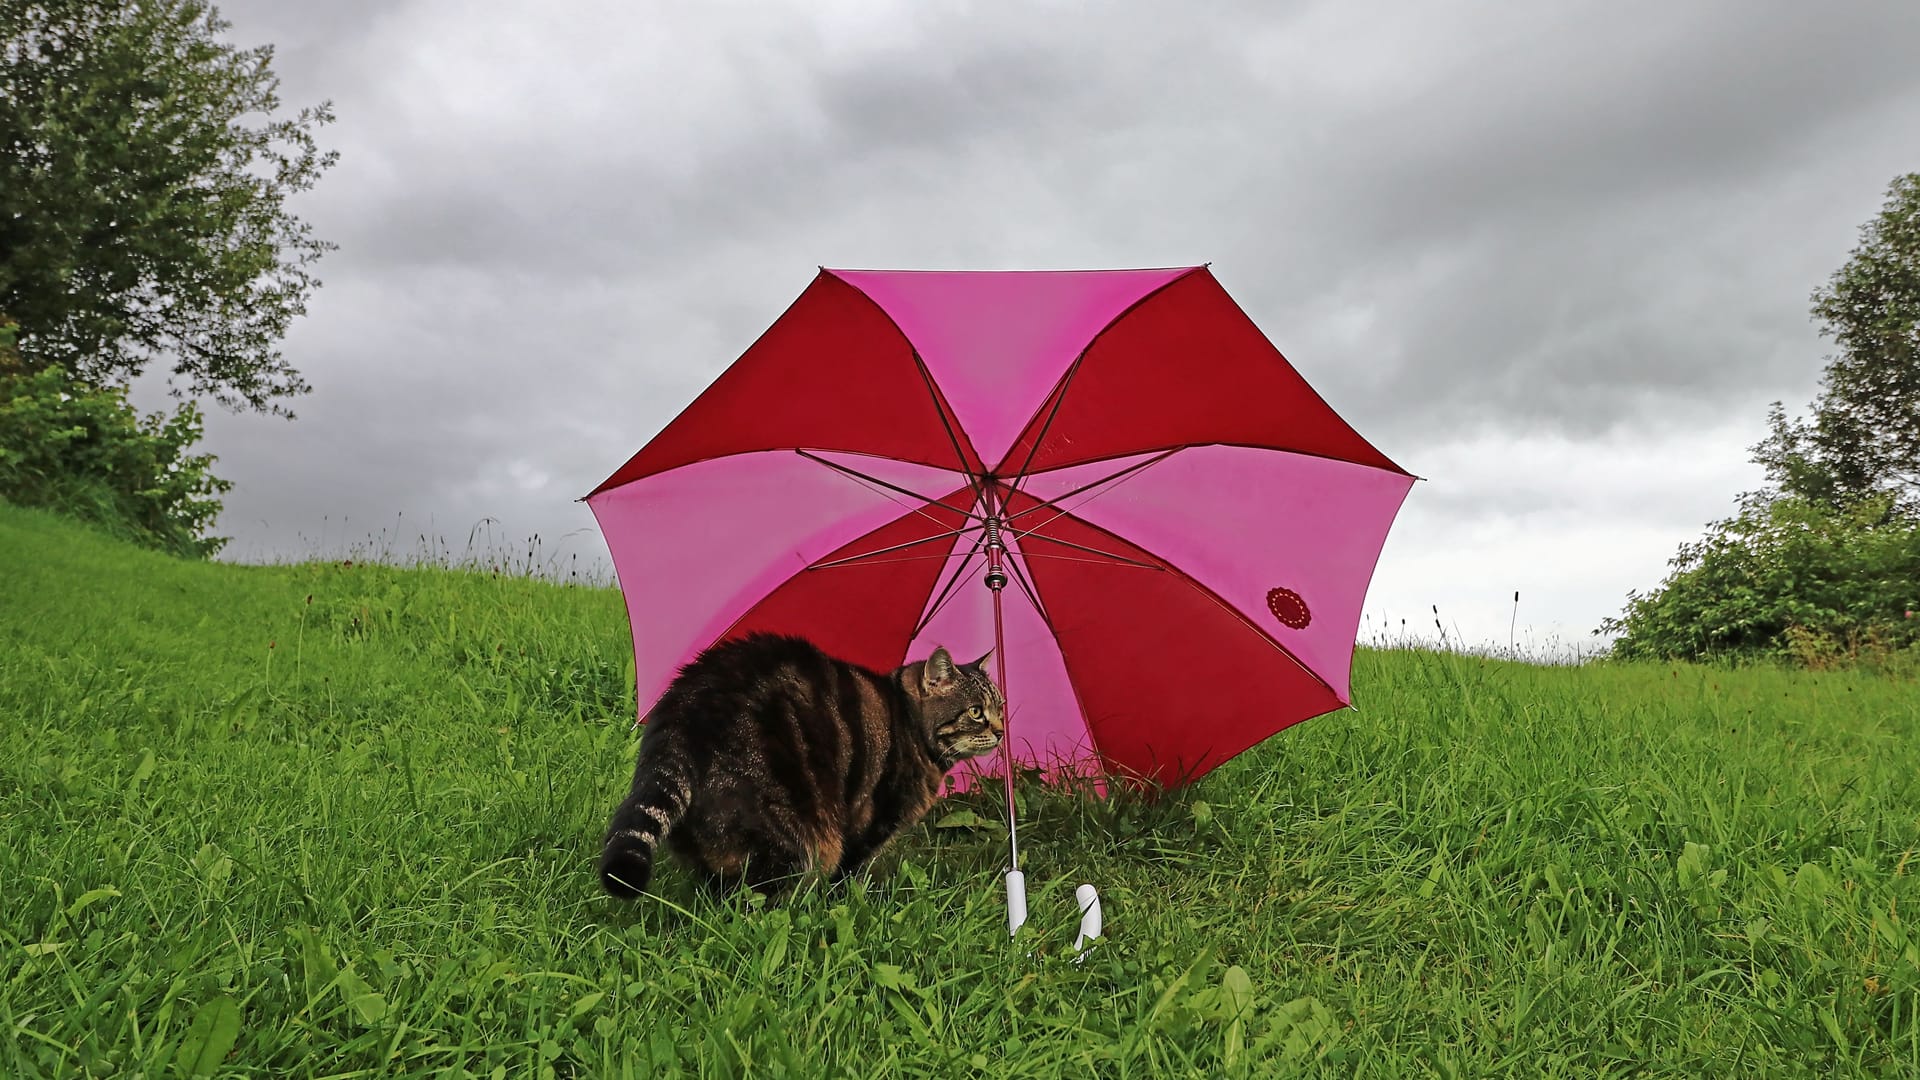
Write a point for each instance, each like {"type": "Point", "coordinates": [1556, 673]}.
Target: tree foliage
{"type": "Point", "coordinates": [1787, 577]}
{"type": "Point", "coordinates": [144, 182]}
{"type": "Point", "coordinates": [1822, 563]}
{"type": "Point", "coordinates": [1863, 438]}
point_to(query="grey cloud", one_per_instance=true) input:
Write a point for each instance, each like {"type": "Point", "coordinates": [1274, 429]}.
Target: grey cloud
{"type": "Point", "coordinates": [1459, 222]}
{"type": "Point", "coordinates": [1617, 113]}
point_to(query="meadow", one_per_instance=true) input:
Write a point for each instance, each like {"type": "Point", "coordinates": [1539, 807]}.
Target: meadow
{"type": "Point", "coordinates": [339, 819]}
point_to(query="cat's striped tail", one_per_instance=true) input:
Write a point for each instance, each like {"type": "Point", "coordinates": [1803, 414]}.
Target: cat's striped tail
{"type": "Point", "coordinates": [662, 788]}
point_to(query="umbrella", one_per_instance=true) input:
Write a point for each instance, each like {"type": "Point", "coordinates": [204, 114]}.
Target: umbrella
{"type": "Point", "coordinates": [1111, 476]}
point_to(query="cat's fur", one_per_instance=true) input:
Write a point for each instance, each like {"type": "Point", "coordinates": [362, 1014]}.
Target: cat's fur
{"type": "Point", "coordinates": [766, 758]}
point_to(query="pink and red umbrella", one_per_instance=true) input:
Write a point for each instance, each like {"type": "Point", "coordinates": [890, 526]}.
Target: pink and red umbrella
{"type": "Point", "coordinates": [1112, 474]}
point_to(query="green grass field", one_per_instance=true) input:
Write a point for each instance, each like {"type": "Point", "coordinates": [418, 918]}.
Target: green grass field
{"type": "Point", "coordinates": [330, 820]}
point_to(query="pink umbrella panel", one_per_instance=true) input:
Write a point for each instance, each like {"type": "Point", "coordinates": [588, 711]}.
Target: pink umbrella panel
{"type": "Point", "coordinates": [1187, 530]}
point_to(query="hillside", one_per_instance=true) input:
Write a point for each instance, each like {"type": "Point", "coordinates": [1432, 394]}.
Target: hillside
{"type": "Point", "coordinates": [340, 819]}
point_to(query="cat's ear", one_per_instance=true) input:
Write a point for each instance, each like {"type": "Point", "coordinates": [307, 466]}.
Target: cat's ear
{"type": "Point", "coordinates": [939, 670]}
{"type": "Point", "coordinates": [980, 665]}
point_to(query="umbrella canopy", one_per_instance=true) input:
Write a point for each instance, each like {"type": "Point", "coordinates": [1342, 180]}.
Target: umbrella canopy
{"type": "Point", "coordinates": [1113, 473]}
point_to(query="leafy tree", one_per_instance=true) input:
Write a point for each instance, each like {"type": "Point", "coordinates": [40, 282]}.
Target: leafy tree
{"type": "Point", "coordinates": [1863, 438]}
{"type": "Point", "coordinates": [1822, 563]}
{"type": "Point", "coordinates": [142, 215]}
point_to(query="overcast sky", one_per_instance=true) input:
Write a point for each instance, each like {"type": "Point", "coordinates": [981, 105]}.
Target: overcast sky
{"type": "Point", "coordinates": [1553, 258]}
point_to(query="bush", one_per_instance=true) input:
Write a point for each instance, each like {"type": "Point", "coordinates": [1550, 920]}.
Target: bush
{"type": "Point", "coordinates": [85, 451]}
{"type": "Point", "coordinates": [1785, 578]}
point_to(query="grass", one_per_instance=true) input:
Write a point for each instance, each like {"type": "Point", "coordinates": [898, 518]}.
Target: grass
{"type": "Point", "coordinates": [340, 820]}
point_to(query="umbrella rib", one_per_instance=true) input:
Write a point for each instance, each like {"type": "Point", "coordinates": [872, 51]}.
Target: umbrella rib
{"type": "Point", "coordinates": [948, 593]}
{"type": "Point", "coordinates": [877, 482]}
{"type": "Point", "coordinates": [1238, 615]}
{"type": "Point", "coordinates": [867, 559]}
{"type": "Point", "coordinates": [1066, 382]}
{"type": "Point", "coordinates": [1108, 555]}
{"type": "Point", "coordinates": [1092, 562]}
{"type": "Point", "coordinates": [889, 549]}
{"type": "Point", "coordinates": [1033, 597]}
{"type": "Point", "coordinates": [939, 407]}
{"type": "Point", "coordinates": [1058, 400]}
{"type": "Point", "coordinates": [954, 579]}
{"type": "Point", "coordinates": [1195, 444]}
{"type": "Point", "coordinates": [1054, 503]}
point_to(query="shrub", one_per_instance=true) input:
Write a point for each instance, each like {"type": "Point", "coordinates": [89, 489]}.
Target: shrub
{"type": "Point", "coordinates": [85, 451]}
{"type": "Point", "coordinates": [1786, 578]}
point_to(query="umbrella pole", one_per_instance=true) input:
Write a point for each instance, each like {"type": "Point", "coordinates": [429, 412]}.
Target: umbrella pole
{"type": "Point", "coordinates": [1006, 733]}
{"type": "Point", "coordinates": [996, 581]}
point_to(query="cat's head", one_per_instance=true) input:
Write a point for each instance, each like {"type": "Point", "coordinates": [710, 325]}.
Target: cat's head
{"type": "Point", "coordinates": [962, 708]}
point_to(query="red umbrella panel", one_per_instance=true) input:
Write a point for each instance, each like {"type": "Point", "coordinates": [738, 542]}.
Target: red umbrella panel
{"type": "Point", "coordinates": [1114, 475]}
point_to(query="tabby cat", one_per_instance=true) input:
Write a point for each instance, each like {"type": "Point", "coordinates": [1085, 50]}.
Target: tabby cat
{"type": "Point", "coordinates": [766, 759]}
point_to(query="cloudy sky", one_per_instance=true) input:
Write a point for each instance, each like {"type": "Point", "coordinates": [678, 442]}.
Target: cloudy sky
{"type": "Point", "coordinates": [1553, 258]}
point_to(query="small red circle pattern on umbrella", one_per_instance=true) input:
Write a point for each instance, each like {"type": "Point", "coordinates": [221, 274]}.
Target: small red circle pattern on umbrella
{"type": "Point", "coordinates": [1287, 606]}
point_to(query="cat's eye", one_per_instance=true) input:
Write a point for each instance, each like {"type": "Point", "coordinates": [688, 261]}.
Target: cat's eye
{"type": "Point", "coordinates": [976, 712]}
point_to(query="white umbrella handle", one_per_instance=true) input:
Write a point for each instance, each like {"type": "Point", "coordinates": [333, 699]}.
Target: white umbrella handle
{"type": "Point", "coordinates": [1016, 901]}
{"type": "Point", "coordinates": [1089, 900]}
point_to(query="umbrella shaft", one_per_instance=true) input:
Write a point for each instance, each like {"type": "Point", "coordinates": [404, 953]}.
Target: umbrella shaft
{"type": "Point", "coordinates": [996, 581]}
{"type": "Point", "coordinates": [1006, 730]}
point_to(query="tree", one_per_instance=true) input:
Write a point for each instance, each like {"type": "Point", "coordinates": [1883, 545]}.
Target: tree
{"type": "Point", "coordinates": [142, 216]}
{"type": "Point", "coordinates": [1864, 435]}
{"type": "Point", "coordinates": [1823, 562]}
